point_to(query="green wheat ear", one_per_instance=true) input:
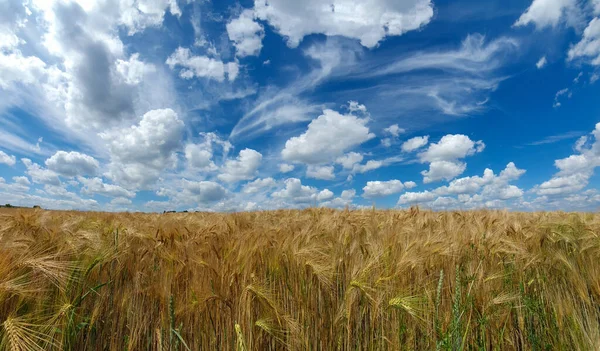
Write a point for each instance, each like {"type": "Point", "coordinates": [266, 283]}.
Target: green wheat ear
{"type": "Point", "coordinates": [438, 301]}
{"type": "Point", "coordinates": [241, 343]}
{"type": "Point", "coordinates": [456, 309]}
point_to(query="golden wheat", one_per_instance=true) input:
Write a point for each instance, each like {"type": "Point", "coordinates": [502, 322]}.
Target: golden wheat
{"type": "Point", "coordinates": [315, 279]}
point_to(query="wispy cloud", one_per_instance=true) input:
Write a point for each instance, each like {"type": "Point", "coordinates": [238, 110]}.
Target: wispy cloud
{"type": "Point", "coordinates": [444, 81]}
{"type": "Point", "coordinates": [556, 138]}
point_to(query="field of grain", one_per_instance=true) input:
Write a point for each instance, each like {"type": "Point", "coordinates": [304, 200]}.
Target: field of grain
{"type": "Point", "coordinates": [315, 279]}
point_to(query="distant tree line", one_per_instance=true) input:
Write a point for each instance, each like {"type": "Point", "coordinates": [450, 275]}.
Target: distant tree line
{"type": "Point", "coordinates": [11, 206]}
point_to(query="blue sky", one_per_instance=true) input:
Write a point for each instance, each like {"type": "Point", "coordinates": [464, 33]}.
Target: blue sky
{"type": "Point", "coordinates": [152, 105]}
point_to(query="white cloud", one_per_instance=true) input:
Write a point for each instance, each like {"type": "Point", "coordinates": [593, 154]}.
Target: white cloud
{"type": "Point", "coordinates": [244, 167]}
{"type": "Point", "coordinates": [348, 194]}
{"type": "Point", "coordinates": [202, 192]}
{"type": "Point", "coordinates": [410, 184]}
{"type": "Point", "coordinates": [576, 170]}
{"type": "Point", "coordinates": [246, 34]}
{"type": "Point", "coordinates": [416, 197]}
{"type": "Point", "coordinates": [201, 66]}
{"type": "Point", "coordinates": [387, 142]}
{"type": "Point", "coordinates": [349, 160]}
{"type": "Point", "coordinates": [448, 81]}
{"type": "Point", "coordinates": [120, 201]}
{"type": "Point", "coordinates": [40, 175]}
{"type": "Point", "coordinates": [28, 200]}
{"type": "Point", "coordinates": [589, 46]}
{"type": "Point", "coordinates": [7, 159]}
{"type": "Point", "coordinates": [443, 157]}
{"type": "Point", "coordinates": [140, 153]}
{"type": "Point", "coordinates": [97, 186]}
{"type": "Point", "coordinates": [21, 180]}
{"type": "Point", "coordinates": [369, 21]}
{"type": "Point", "coordinates": [560, 185]}
{"type": "Point", "coordinates": [560, 93]}
{"type": "Point", "coordinates": [489, 190]}
{"type": "Point", "coordinates": [545, 13]}
{"type": "Point", "coordinates": [541, 62]}
{"type": "Point", "coordinates": [415, 143]}
{"type": "Point", "coordinates": [467, 185]}
{"type": "Point", "coordinates": [452, 147]}
{"type": "Point", "coordinates": [137, 15]}
{"type": "Point", "coordinates": [324, 195]}
{"type": "Point", "coordinates": [369, 166]}
{"type": "Point", "coordinates": [394, 130]}
{"type": "Point", "coordinates": [327, 137]}
{"type": "Point", "coordinates": [184, 193]}
{"type": "Point", "coordinates": [320, 172]}
{"type": "Point", "coordinates": [345, 200]}
{"type": "Point", "coordinates": [259, 185]}
{"type": "Point", "coordinates": [16, 68]}
{"type": "Point", "coordinates": [133, 70]}
{"type": "Point", "coordinates": [439, 170]}
{"type": "Point", "coordinates": [71, 164]}
{"type": "Point", "coordinates": [379, 188]}
{"type": "Point", "coordinates": [295, 192]}
{"type": "Point", "coordinates": [286, 168]}
{"type": "Point", "coordinates": [200, 156]}
{"type": "Point", "coordinates": [18, 186]}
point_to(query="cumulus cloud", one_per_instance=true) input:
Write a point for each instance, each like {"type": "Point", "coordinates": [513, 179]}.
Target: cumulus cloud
{"type": "Point", "coordinates": [120, 201]}
{"type": "Point", "coordinates": [451, 147]}
{"type": "Point", "coordinates": [327, 137]}
{"type": "Point", "coordinates": [286, 168]}
{"type": "Point", "coordinates": [244, 167]}
{"type": "Point", "coordinates": [17, 186]}
{"type": "Point", "coordinates": [133, 70]}
{"type": "Point", "coordinates": [415, 143]}
{"type": "Point", "coordinates": [259, 185]}
{"type": "Point", "coordinates": [589, 45]}
{"type": "Point", "coordinates": [65, 64]}
{"type": "Point", "coordinates": [379, 188]}
{"type": "Point", "coordinates": [39, 174]}
{"type": "Point", "coordinates": [349, 160]}
{"type": "Point", "coordinates": [246, 34]}
{"type": "Point", "coordinates": [369, 21]}
{"type": "Point", "coordinates": [439, 170]}
{"type": "Point", "coordinates": [295, 192]}
{"type": "Point", "coordinates": [71, 164]}
{"type": "Point", "coordinates": [202, 192]}
{"type": "Point", "coordinates": [416, 197]}
{"type": "Point", "coordinates": [488, 190]}
{"type": "Point", "coordinates": [576, 170]}
{"type": "Point", "coordinates": [141, 152]}
{"type": "Point", "coordinates": [443, 157]}
{"type": "Point", "coordinates": [546, 13]}
{"type": "Point", "coordinates": [344, 200]}
{"type": "Point", "coordinates": [324, 195]}
{"type": "Point", "coordinates": [201, 66]}
{"type": "Point", "coordinates": [21, 180]}
{"type": "Point", "coordinates": [320, 172]}
{"type": "Point", "coordinates": [96, 185]}
{"type": "Point", "coordinates": [200, 156]}
{"type": "Point", "coordinates": [7, 159]}
{"type": "Point", "coordinates": [394, 130]}
{"type": "Point", "coordinates": [370, 165]}
{"type": "Point", "coordinates": [410, 184]}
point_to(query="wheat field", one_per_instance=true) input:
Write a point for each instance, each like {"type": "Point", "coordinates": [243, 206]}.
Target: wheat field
{"type": "Point", "coordinates": [314, 279]}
